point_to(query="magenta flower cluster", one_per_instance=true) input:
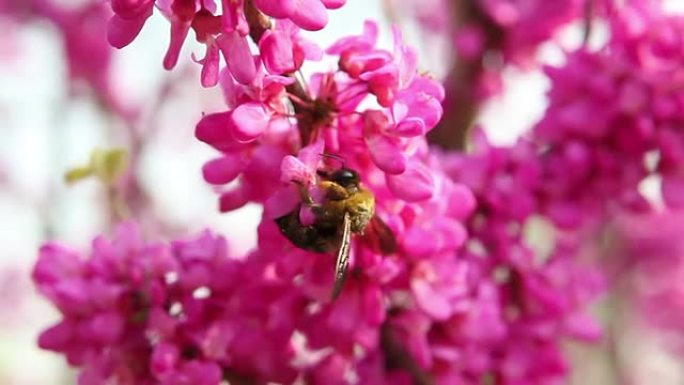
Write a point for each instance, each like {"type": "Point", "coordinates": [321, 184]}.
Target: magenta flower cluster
{"type": "Point", "coordinates": [270, 318]}
{"type": "Point", "coordinates": [614, 118]}
{"type": "Point", "coordinates": [648, 251]}
{"type": "Point", "coordinates": [465, 298]}
{"type": "Point", "coordinates": [529, 300]}
{"type": "Point", "coordinates": [525, 25]}
{"type": "Point", "coordinates": [275, 115]}
{"type": "Point", "coordinates": [493, 34]}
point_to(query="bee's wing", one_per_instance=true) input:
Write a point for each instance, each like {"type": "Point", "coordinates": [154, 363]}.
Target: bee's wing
{"type": "Point", "coordinates": [342, 258]}
{"type": "Point", "coordinates": [379, 237]}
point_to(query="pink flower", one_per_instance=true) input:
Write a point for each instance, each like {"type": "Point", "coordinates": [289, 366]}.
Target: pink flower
{"type": "Point", "coordinates": [603, 119]}
{"type": "Point", "coordinates": [252, 137]}
{"type": "Point", "coordinates": [414, 185]}
{"type": "Point", "coordinates": [227, 32]}
{"type": "Point", "coordinates": [283, 51]}
{"type": "Point", "coordinates": [519, 20]}
{"type": "Point", "coordinates": [440, 288]}
{"type": "Point", "coordinates": [308, 14]}
{"type": "Point", "coordinates": [303, 168]}
{"type": "Point", "coordinates": [649, 260]}
{"type": "Point", "coordinates": [385, 149]}
{"type": "Point", "coordinates": [385, 73]}
{"type": "Point", "coordinates": [241, 63]}
{"type": "Point", "coordinates": [129, 18]}
{"type": "Point", "coordinates": [356, 52]}
{"type": "Point", "coordinates": [101, 298]}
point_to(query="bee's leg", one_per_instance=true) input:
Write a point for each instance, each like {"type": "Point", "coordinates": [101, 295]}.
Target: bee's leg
{"type": "Point", "coordinates": [304, 194]}
{"type": "Point", "coordinates": [307, 200]}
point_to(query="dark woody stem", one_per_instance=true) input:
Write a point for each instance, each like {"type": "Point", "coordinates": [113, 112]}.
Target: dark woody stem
{"type": "Point", "coordinates": [239, 379]}
{"type": "Point", "coordinates": [397, 357]}
{"type": "Point", "coordinates": [258, 24]}
{"type": "Point", "coordinates": [306, 130]}
{"type": "Point", "coordinates": [588, 21]}
{"type": "Point", "coordinates": [461, 104]}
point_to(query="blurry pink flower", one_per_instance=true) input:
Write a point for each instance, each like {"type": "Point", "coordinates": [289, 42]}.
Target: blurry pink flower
{"type": "Point", "coordinates": [649, 257]}
{"type": "Point", "coordinates": [129, 18]}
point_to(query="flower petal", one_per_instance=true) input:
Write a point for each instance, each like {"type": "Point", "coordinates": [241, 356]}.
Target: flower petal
{"type": "Point", "coordinates": [430, 300]}
{"type": "Point", "coordinates": [282, 202]}
{"type": "Point", "coordinates": [277, 52]}
{"type": "Point", "coordinates": [222, 170]}
{"type": "Point", "coordinates": [410, 127]}
{"type": "Point", "coordinates": [121, 32]}
{"type": "Point", "coordinates": [293, 170]}
{"type": "Point", "coordinates": [415, 184]}
{"type": "Point", "coordinates": [384, 150]}
{"type": "Point", "coordinates": [210, 66]}
{"type": "Point", "coordinates": [238, 56]}
{"type": "Point", "coordinates": [416, 105]}
{"type": "Point", "coordinates": [279, 9]}
{"type": "Point", "coordinates": [302, 169]}
{"type": "Point", "coordinates": [386, 154]}
{"type": "Point", "coordinates": [333, 4]}
{"type": "Point", "coordinates": [309, 14]}
{"type": "Point", "coordinates": [57, 337]}
{"type": "Point", "coordinates": [311, 154]}
{"type": "Point", "coordinates": [673, 190]}
{"type": "Point", "coordinates": [249, 121]}
{"type": "Point", "coordinates": [214, 129]}
{"type": "Point", "coordinates": [179, 31]}
{"type": "Point", "coordinates": [233, 199]}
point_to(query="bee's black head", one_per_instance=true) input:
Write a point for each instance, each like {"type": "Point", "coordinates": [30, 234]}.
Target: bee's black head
{"type": "Point", "coordinates": [345, 177]}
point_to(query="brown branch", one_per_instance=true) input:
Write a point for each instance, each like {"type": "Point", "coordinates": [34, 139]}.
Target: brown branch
{"type": "Point", "coordinates": [588, 21]}
{"type": "Point", "coordinates": [462, 103]}
{"type": "Point", "coordinates": [460, 107]}
{"type": "Point", "coordinates": [235, 378]}
{"type": "Point", "coordinates": [397, 357]}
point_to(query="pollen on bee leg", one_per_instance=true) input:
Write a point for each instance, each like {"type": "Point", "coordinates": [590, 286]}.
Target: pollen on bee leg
{"type": "Point", "coordinates": [304, 193]}
{"type": "Point", "coordinates": [333, 190]}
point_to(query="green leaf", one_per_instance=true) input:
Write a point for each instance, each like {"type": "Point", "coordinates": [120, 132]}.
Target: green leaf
{"type": "Point", "coordinates": [77, 174]}
{"type": "Point", "coordinates": [109, 165]}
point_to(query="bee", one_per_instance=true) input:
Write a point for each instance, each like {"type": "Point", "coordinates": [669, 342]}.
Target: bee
{"type": "Point", "coordinates": [347, 209]}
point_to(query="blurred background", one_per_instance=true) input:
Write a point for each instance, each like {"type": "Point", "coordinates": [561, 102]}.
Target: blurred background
{"type": "Point", "coordinates": [52, 118]}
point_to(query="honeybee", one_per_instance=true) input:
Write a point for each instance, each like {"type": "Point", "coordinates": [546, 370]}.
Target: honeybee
{"type": "Point", "coordinates": [347, 209]}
